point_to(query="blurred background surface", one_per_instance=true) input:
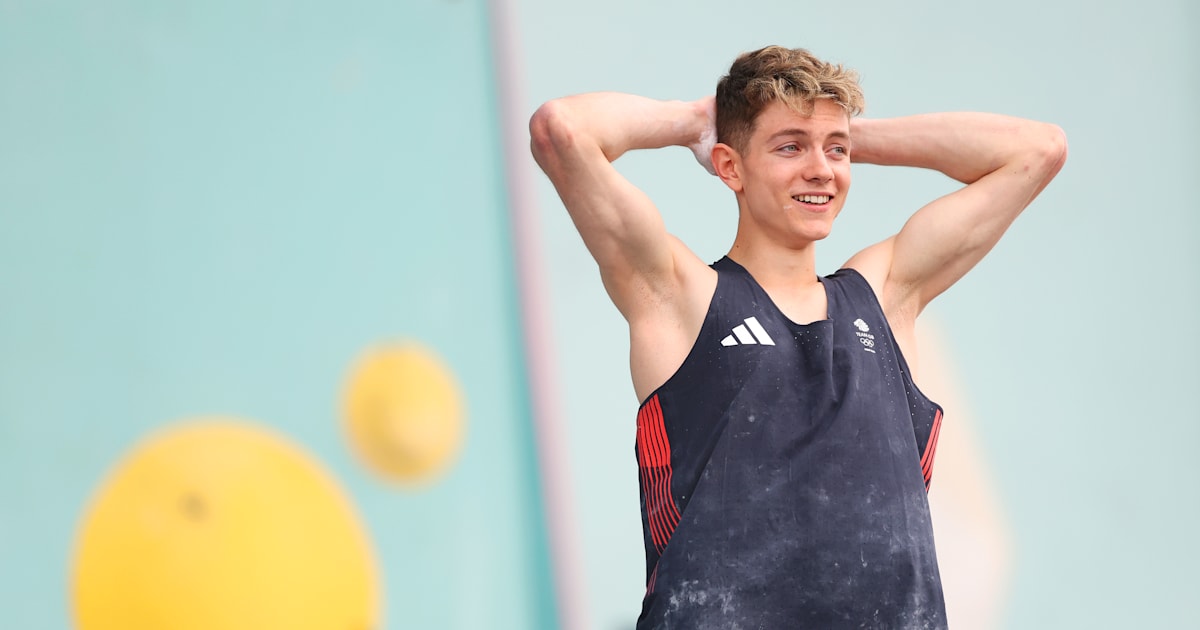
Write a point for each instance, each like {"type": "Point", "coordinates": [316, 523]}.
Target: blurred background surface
{"type": "Point", "coordinates": [219, 209]}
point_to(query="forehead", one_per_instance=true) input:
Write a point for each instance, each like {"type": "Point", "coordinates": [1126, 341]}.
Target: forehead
{"type": "Point", "coordinates": [827, 118]}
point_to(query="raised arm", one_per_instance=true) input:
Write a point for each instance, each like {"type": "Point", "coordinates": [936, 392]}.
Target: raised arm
{"type": "Point", "coordinates": [574, 140]}
{"type": "Point", "coordinates": [1004, 161]}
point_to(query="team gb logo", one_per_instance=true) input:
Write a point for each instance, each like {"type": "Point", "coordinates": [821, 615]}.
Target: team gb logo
{"type": "Point", "coordinates": [864, 335]}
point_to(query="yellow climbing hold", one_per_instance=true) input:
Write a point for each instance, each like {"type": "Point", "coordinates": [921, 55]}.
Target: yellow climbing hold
{"type": "Point", "coordinates": [403, 413]}
{"type": "Point", "coordinates": [217, 523]}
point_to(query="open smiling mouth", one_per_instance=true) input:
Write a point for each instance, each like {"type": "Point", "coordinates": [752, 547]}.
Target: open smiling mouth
{"type": "Point", "coordinates": [814, 200]}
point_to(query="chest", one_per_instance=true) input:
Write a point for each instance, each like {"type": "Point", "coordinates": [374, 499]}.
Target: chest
{"type": "Point", "coordinates": [802, 306]}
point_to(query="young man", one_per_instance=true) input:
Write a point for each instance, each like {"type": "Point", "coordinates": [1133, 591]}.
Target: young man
{"type": "Point", "coordinates": [784, 450]}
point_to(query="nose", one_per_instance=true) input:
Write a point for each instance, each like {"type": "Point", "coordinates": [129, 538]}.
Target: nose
{"type": "Point", "coordinates": [817, 168]}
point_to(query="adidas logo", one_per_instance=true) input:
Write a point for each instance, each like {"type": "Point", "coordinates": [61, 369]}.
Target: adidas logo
{"type": "Point", "coordinates": [750, 333]}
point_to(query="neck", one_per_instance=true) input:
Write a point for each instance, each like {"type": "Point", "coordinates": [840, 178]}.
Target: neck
{"type": "Point", "coordinates": [776, 266]}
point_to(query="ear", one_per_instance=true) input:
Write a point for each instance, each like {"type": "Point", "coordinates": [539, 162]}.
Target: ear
{"type": "Point", "coordinates": [728, 164]}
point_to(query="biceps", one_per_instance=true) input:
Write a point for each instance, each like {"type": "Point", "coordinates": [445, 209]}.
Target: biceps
{"type": "Point", "coordinates": [619, 224]}
{"type": "Point", "coordinates": [947, 238]}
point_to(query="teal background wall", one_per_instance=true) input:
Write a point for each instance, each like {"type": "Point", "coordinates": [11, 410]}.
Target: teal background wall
{"type": "Point", "coordinates": [1076, 338]}
{"type": "Point", "coordinates": [214, 208]}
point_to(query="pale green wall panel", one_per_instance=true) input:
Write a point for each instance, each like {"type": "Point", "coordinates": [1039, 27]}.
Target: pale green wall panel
{"type": "Point", "coordinates": [1076, 338]}
{"type": "Point", "coordinates": [214, 207]}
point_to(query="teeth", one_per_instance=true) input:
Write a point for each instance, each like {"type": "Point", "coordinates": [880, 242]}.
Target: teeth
{"type": "Point", "coordinates": [812, 198]}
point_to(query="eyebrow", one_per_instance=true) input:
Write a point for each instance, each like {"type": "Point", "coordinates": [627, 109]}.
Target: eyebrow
{"type": "Point", "coordinates": [838, 135]}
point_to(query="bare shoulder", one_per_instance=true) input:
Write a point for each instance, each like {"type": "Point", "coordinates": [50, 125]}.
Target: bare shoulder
{"type": "Point", "coordinates": [899, 303]}
{"type": "Point", "coordinates": [875, 264]}
{"type": "Point", "coordinates": [665, 320]}
{"type": "Point", "coordinates": [645, 296]}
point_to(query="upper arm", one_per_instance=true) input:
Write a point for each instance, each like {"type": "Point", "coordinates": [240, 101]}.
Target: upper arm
{"type": "Point", "coordinates": [945, 239]}
{"type": "Point", "coordinates": [619, 224]}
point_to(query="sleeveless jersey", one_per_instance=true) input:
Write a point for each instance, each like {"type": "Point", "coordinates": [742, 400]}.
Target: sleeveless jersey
{"type": "Point", "coordinates": [784, 471]}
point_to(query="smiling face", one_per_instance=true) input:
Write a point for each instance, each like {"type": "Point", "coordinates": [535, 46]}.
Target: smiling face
{"type": "Point", "coordinates": [793, 175]}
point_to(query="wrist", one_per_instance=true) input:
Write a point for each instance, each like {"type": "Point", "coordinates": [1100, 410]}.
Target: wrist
{"type": "Point", "coordinates": [703, 136]}
{"type": "Point", "coordinates": [704, 120]}
{"type": "Point", "coordinates": [859, 141]}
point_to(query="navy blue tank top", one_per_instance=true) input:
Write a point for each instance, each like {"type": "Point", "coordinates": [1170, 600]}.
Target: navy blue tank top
{"type": "Point", "coordinates": [784, 471]}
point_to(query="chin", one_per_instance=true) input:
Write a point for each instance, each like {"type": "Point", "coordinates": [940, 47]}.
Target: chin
{"type": "Point", "coordinates": [801, 240]}
{"type": "Point", "coordinates": [812, 233]}
{"type": "Point", "coordinates": [819, 237]}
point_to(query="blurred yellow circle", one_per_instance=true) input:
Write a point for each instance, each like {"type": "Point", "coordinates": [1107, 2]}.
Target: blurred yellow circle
{"type": "Point", "coordinates": [403, 413]}
{"type": "Point", "coordinates": [217, 524]}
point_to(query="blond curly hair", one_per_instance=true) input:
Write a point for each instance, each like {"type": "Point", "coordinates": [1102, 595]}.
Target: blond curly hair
{"type": "Point", "coordinates": [791, 75]}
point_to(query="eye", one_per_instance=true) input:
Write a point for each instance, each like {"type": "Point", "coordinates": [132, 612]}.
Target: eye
{"type": "Point", "coordinates": [839, 150]}
{"type": "Point", "coordinates": [789, 148]}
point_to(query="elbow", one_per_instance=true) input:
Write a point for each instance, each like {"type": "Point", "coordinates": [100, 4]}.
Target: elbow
{"type": "Point", "coordinates": [1052, 150]}
{"type": "Point", "coordinates": [550, 132]}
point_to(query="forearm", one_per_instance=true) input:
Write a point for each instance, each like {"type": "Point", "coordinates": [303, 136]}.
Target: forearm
{"type": "Point", "coordinates": [617, 123]}
{"type": "Point", "coordinates": [965, 146]}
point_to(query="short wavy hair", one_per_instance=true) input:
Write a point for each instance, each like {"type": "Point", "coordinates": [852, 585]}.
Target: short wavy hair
{"type": "Point", "coordinates": [791, 75]}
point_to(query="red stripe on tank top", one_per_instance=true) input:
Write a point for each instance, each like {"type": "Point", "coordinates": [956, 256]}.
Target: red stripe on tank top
{"type": "Point", "coordinates": [931, 448]}
{"type": "Point", "coordinates": [654, 454]}
{"type": "Point", "coordinates": [659, 473]}
{"type": "Point", "coordinates": [644, 463]}
{"type": "Point", "coordinates": [651, 473]}
{"type": "Point", "coordinates": [672, 512]}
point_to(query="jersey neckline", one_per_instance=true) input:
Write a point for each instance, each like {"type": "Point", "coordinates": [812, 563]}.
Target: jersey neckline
{"type": "Point", "coordinates": [828, 319]}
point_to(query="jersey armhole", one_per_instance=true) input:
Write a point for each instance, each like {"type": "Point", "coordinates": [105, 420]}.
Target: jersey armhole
{"type": "Point", "coordinates": [851, 272]}
{"type": "Point", "coordinates": [695, 349]}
